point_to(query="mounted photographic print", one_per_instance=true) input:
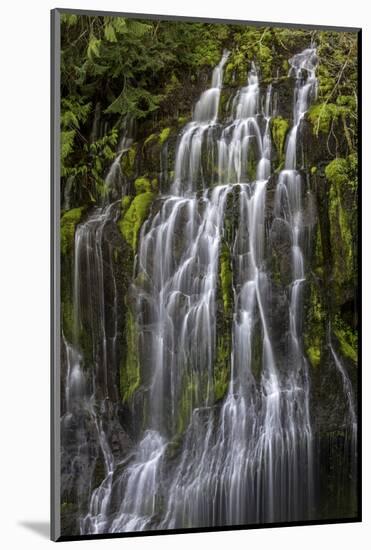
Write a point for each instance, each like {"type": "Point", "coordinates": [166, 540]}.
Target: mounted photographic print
{"type": "Point", "coordinates": [205, 274]}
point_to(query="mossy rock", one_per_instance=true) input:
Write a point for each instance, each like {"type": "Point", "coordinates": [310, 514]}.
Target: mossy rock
{"type": "Point", "coordinates": [69, 221]}
{"type": "Point", "coordinates": [322, 116]}
{"type": "Point", "coordinates": [341, 173]}
{"type": "Point", "coordinates": [142, 185]}
{"type": "Point", "coordinates": [280, 127]}
{"type": "Point", "coordinates": [134, 215]}
{"type": "Point", "coordinates": [164, 135]}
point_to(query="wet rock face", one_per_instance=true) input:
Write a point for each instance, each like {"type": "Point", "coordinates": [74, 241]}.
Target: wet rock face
{"type": "Point", "coordinates": [82, 463]}
{"type": "Point", "coordinates": [79, 456]}
{"type": "Point", "coordinates": [173, 384]}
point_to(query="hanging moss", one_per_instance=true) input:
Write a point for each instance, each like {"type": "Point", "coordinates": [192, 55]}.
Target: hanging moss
{"type": "Point", "coordinates": [279, 127]}
{"type": "Point", "coordinates": [68, 225]}
{"type": "Point", "coordinates": [130, 368]}
{"type": "Point", "coordinates": [342, 178]}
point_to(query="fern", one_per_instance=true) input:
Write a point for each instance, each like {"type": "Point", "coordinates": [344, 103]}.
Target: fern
{"type": "Point", "coordinates": [109, 32]}
{"type": "Point", "coordinates": [93, 47]}
{"type": "Point", "coordinates": [67, 139]}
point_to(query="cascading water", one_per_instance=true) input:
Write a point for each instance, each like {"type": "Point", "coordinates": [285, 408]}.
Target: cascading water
{"type": "Point", "coordinates": [246, 457]}
{"type": "Point", "coordinates": [187, 163]}
{"type": "Point", "coordinates": [352, 424]}
{"type": "Point", "coordinates": [87, 393]}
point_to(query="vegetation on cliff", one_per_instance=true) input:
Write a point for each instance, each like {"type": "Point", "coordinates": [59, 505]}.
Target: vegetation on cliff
{"type": "Point", "coordinates": [143, 78]}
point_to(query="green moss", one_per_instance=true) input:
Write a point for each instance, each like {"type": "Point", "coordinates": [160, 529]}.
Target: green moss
{"type": "Point", "coordinates": [68, 225]}
{"type": "Point", "coordinates": [314, 354]}
{"type": "Point", "coordinates": [336, 171]}
{"type": "Point", "coordinates": [226, 277]}
{"type": "Point", "coordinates": [150, 139]}
{"type": "Point", "coordinates": [131, 221]}
{"type": "Point", "coordinates": [130, 368]}
{"type": "Point", "coordinates": [182, 120]}
{"type": "Point", "coordinates": [342, 176]}
{"type": "Point", "coordinates": [164, 135]}
{"type": "Point", "coordinates": [346, 349]}
{"type": "Point", "coordinates": [125, 203]}
{"type": "Point", "coordinates": [128, 161]}
{"type": "Point", "coordinates": [322, 115]}
{"type": "Point", "coordinates": [347, 340]}
{"type": "Point", "coordinates": [315, 332]}
{"type": "Point", "coordinates": [279, 127]}
{"type": "Point", "coordinates": [142, 185]}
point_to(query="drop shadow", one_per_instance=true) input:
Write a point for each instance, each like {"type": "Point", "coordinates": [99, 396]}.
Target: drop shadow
{"type": "Point", "coordinates": [41, 528]}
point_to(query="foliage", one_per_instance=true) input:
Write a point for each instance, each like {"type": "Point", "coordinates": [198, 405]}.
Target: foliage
{"type": "Point", "coordinates": [336, 106]}
{"type": "Point", "coordinates": [116, 69]}
{"type": "Point", "coordinates": [120, 72]}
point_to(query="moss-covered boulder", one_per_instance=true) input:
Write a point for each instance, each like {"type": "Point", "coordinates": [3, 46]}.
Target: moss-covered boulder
{"type": "Point", "coordinates": [135, 210]}
{"type": "Point", "coordinates": [69, 221]}
{"type": "Point", "coordinates": [279, 127]}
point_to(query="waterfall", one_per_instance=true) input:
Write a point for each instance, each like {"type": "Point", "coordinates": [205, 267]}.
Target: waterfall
{"type": "Point", "coordinates": [244, 457]}
{"type": "Point", "coordinates": [188, 158]}
{"type": "Point", "coordinates": [87, 392]}
{"type": "Point", "coordinates": [348, 392]}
